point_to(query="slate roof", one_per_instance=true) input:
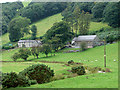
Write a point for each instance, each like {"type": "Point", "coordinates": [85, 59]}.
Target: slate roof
{"type": "Point", "coordinates": [29, 41]}
{"type": "Point", "coordinates": [85, 38]}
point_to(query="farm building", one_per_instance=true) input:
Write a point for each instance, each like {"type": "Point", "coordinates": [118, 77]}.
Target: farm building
{"type": "Point", "coordinates": [90, 40]}
{"type": "Point", "coordinates": [29, 43]}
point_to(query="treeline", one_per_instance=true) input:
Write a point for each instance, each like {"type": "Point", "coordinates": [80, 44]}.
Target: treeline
{"type": "Point", "coordinates": [34, 11]}
{"type": "Point", "coordinates": [101, 11]}
{"type": "Point", "coordinates": [37, 11]}
{"type": "Point", "coordinates": [9, 11]}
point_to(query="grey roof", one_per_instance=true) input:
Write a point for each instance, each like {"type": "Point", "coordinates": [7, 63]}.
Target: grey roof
{"type": "Point", "coordinates": [29, 41]}
{"type": "Point", "coordinates": [85, 38]}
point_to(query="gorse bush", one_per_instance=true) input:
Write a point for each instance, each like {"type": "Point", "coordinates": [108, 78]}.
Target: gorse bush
{"type": "Point", "coordinates": [39, 72]}
{"type": "Point", "coordinates": [80, 70]}
{"type": "Point", "coordinates": [14, 80]}
{"type": "Point", "coordinates": [70, 62]}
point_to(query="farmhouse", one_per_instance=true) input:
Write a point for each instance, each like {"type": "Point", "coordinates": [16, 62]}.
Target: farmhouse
{"type": "Point", "coordinates": [90, 40]}
{"type": "Point", "coordinates": [29, 43]}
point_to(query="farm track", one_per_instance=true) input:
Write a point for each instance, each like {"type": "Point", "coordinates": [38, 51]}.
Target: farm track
{"type": "Point", "coordinates": [35, 61]}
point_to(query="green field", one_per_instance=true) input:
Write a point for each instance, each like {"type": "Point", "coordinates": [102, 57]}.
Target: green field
{"type": "Point", "coordinates": [47, 23]}
{"type": "Point", "coordinates": [99, 80]}
{"type": "Point", "coordinates": [94, 26]}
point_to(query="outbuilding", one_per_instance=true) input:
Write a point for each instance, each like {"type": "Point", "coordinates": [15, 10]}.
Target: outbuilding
{"type": "Point", "coordinates": [90, 40]}
{"type": "Point", "coordinates": [29, 43]}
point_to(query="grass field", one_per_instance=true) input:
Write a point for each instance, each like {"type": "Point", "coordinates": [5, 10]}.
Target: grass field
{"type": "Point", "coordinates": [99, 80]}
{"type": "Point", "coordinates": [94, 26]}
{"type": "Point", "coordinates": [47, 23]}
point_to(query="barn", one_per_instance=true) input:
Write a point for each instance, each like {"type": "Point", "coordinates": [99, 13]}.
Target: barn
{"type": "Point", "coordinates": [90, 40]}
{"type": "Point", "coordinates": [29, 43]}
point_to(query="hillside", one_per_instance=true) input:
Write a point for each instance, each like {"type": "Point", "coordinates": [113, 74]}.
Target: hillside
{"type": "Point", "coordinates": [45, 24]}
{"type": "Point", "coordinates": [42, 27]}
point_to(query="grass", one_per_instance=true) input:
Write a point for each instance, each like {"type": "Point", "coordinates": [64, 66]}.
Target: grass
{"type": "Point", "coordinates": [45, 24]}
{"type": "Point", "coordinates": [99, 80]}
{"type": "Point", "coordinates": [25, 3]}
{"type": "Point", "coordinates": [19, 66]}
{"type": "Point", "coordinates": [94, 26]}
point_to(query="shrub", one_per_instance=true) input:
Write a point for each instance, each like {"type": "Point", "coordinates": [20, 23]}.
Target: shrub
{"type": "Point", "coordinates": [83, 46]}
{"type": "Point", "coordinates": [15, 56]}
{"type": "Point", "coordinates": [70, 62]}
{"type": "Point", "coordinates": [39, 72]}
{"type": "Point", "coordinates": [24, 53]}
{"type": "Point", "coordinates": [23, 81]}
{"type": "Point", "coordinates": [33, 82]}
{"type": "Point", "coordinates": [80, 70]}
{"type": "Point", "coordinates": [6, 47]}
{"type": "Point", "coordinates": [14, 80]}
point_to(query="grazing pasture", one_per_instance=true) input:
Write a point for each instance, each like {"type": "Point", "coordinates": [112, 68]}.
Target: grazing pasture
{"type": "Point", "coordinates": [92, 57]}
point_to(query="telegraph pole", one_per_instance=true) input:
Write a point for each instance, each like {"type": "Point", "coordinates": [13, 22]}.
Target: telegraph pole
{"type": "Point", "coordinates": [104, 53]}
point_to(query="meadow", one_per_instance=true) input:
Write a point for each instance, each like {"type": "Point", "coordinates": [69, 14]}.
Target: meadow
{"type": "Point", "coordinates": [93, 57]}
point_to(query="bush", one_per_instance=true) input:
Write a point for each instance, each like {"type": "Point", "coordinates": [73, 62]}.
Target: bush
{"type": "Point", "coordinates": [80, 70]}
{"type": "Point", "coordinates": [14, 80]}
{"type": "Point", "coordinates": [15, 56]}
{"type": "Point", "coordinates": [33, 82]}
{"type": "Point", "coordinates": [39, 72]}
{"type": "Point", "coordinates": [70, 62]}
{"type": "Point", "coordinates": [83, 46]}
{"type": "Point", "coordinates": [6, 47]}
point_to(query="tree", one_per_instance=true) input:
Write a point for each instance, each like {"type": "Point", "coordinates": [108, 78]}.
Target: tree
{"type": "Point", "coordinates": [59, 30]}
{"type": "Point", "coordinates": [24, 53]}
{"type": "Point", "coordinates": [34, 31]}
{"type": "Point", "coordinates": [111, 14]}
{"type": "Point", "coordinates": [17, 27]}
{"type": "Point", "coordinates": [46, 49]}
{"type": "Point", "coordinates": [9, 11]}
{"type": "Point", "coordinates": [76, 14]}
{"type": "Point", "coordinates": [35, 51]}
{"type": "Point", "coordinates": [84, 23]}
{"type": "Point", "coordinates": [98, 9]}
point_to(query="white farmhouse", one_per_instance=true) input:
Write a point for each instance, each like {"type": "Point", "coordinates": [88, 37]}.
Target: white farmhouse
{"type": "Point", "coordinates": [90, 40]}
{"type": "Point", "coordinates": [29, 43]}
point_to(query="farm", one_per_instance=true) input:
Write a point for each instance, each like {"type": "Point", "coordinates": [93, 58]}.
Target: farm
{"type": "Point", "coordinates": [53, 61]}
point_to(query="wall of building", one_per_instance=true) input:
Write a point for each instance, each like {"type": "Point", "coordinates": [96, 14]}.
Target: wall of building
{"type": "Point", "coordinates": [27, 44]}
